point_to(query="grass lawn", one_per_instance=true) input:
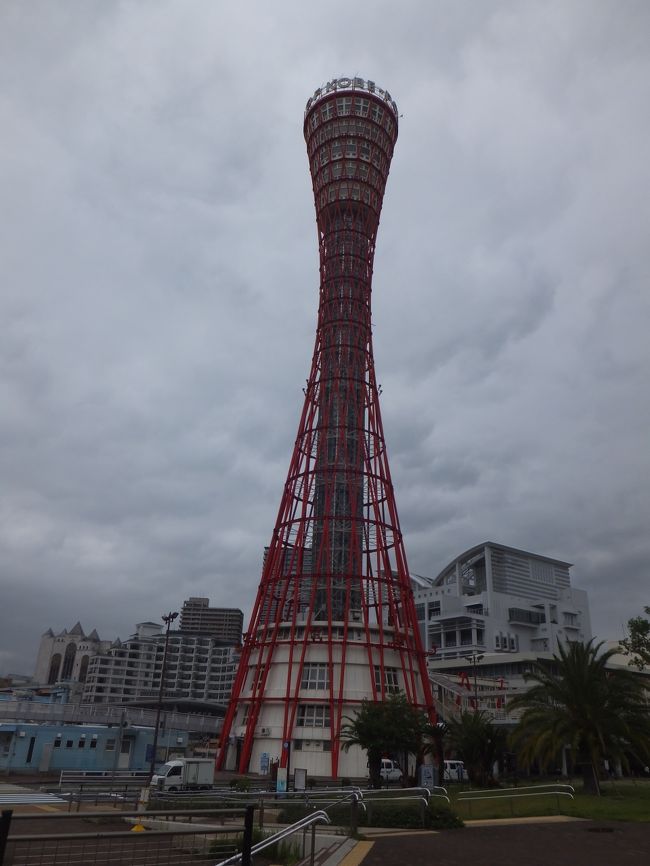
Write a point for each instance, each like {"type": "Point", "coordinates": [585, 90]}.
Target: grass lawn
{"type": "Point", "coordinates": [620, 801]}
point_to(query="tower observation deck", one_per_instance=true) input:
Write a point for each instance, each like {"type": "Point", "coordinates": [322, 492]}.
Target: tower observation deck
{"type": "Point", "coordinates": [334, 620]}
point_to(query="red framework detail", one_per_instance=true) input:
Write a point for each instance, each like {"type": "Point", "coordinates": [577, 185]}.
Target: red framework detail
{"type": "Point", "coordinates": [335, 572]}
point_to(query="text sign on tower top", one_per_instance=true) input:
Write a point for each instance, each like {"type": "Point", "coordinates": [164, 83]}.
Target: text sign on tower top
{"type": "Point", "coordinates": [351, 84]}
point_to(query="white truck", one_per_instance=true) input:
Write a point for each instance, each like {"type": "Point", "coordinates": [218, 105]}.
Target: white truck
{"type": "Point", "coordinates": [184, 774]}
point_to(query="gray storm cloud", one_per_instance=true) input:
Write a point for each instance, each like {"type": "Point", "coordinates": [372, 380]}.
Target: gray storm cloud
{"type": "Point", "coordinates": [160, 278]}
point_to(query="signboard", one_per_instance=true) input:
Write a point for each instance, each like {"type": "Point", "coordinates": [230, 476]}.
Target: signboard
{"type": "Point", "coordinates": [351, 84]}
{"type": "Point", "coordinates": [428, 776]}
{"type": "Point", "coordinates": [264, 763]}
{"type": "Point", "coordinates": [299, 779]}
{"type": "Point", "coordinates": [281, 781]}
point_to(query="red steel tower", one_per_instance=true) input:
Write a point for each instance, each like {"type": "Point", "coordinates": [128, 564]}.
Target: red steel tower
{"type": "Point", "coordinates": [334, 620]}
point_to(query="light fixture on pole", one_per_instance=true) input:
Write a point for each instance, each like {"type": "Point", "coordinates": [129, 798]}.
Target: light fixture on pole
{"type": "Point", "coordinates": [168, 619]}
{"type": "Point", "coordinates": [475, 659]}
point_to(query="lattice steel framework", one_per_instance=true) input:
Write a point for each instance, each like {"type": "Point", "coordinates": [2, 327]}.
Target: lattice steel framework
{"type": "Point", "coordinates": [335, 575]}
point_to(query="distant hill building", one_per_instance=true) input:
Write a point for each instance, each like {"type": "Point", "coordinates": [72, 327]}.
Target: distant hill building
{"type": "Point", "coordinates": [64, 657]}
{"type": "Point", "coordinates": [201, 662]}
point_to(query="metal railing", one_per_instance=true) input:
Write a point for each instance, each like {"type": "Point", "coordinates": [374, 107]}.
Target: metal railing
{"type": "Point", "coordinates": [556, 790]}
{"type": "Point", "coordinates": [319, 817]}
{"type": "Point", "coordinates": [103, 714]}
{"type": "Point", "coordinates": [116, 847]}
{"type": "Point", "coordinates": [71, 777]}
{"type": "Point", "coordinates": [359, 800]}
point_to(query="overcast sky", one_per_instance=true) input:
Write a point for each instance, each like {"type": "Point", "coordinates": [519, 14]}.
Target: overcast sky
{"type": "Point", "coordinates": [159, 279]}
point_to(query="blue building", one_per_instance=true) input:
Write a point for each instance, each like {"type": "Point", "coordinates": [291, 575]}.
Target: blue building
{"type": "Point", "coordinates": [33, 747]}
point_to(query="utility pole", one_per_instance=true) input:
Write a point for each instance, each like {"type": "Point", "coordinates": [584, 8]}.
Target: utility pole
{"type": "Point", "coordinates": [168, 619]}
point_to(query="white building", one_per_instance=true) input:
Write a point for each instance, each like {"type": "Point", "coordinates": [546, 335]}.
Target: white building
{"type": "Point", "coordinates": [488, 616]}
{"type": "Point", "coordinates": [126, 669]}
{"type": "Point", "coordinates": [200, 669]}
{"type": "Point", "coordinates": [64, 657]}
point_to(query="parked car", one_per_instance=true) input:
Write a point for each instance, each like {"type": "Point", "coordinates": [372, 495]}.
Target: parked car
{"type": "Point", "coordinates": [390, 771]}
{"type": "Point", "coordinates": [455, 772]}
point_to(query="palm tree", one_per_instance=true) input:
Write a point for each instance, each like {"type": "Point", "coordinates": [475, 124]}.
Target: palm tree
{"type": "Point", "coordinates": [578, 702]}
{"type": "Point", "coordinates": [390, 728]}
{"type": "Point", "coordinates": [478, 742]}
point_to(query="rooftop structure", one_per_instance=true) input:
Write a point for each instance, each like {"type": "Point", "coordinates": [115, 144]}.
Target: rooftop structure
{"type": "Point", "coordinates": [226, 623]}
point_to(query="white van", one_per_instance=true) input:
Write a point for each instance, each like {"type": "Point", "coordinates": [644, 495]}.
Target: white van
{"type": "Point", "coordinates": [390, 771]}
{"type": "Point", "coordinates": [455, 772]}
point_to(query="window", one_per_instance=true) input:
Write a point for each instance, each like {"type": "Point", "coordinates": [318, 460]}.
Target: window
{"type": "Point", "coordinates": [315, 676]}
{"type": "Point", "coordinates": [93, 744]}
{"type": "Point", "coordinates": [361, 107]}
{"type": "Point", "coordinates": [391, 680]}
{"type": "Point", "coordinates": [55, 665]}
{"type": "Point", "coordinates": [450, 638]}
{"type": "Point", "coordinates": [313, 716]}
{"type": "Point", "coordinates": [541, 571]}
{"type": "Point", "coordinates": [69, 744]}
{"type": "Point", "coordinates": [110, 745]}
{"type": "Point", "coordinates": [434, 608]}
{"type": "Point", "coordinates": [344, 105]}
{"type": "Point", "coordinates": [419, 612]}
{"type": "Point", "coordinates": [81, 744]}
{"type": "Point", "coordinates": [57, 742]}
{"type": "Point", "coordinates": [534, 617]}
{"type": "Point", "coordinates": [68, 661]}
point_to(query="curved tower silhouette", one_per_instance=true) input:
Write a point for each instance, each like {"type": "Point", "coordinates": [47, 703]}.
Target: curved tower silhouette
{"type": "Point", "coordinates": [334, 620]}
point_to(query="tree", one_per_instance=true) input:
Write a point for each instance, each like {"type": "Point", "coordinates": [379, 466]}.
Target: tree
{"type": "Point", "coordinates": [600, 714]}
{"type": "Point", "coordinates": [637, 644]}
{"type": "Point", "coordinates": [478, 742]}
{"type": "Point", "coordinates": [391, 728]}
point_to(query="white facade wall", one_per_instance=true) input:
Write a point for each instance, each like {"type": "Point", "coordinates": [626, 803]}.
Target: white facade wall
{"type": "Point", "coordinates": [495, 599]}
{"type": "Point", "coordinates": [198, 668]}
{"type": "Point", "coordinates": [53, 648]}
{"type": "Point", "coordinates": [311, 744]}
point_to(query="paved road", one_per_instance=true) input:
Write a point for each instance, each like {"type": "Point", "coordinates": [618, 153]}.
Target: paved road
{"type": "Point", "coordinates": [571, 843]}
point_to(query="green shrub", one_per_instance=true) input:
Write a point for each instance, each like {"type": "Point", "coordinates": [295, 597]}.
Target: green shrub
{"type": "Point", "coordinates": [241, 784]}
{"type": "Point", "coordinates": [287, 851]}
{"type": "Point", "coordinates": [410, 815]}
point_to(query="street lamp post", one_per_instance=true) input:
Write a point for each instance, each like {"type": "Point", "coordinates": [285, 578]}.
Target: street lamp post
{"type": "Point", "coordinates": [475, 659]}
{"type": "Point", "coordinates": [168, 619]}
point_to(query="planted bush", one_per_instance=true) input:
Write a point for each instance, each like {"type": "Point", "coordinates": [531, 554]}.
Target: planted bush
{"type": "Point", "coordinates": [287, 851]}
{"type": "Point", "coordinates": [378, 814]}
